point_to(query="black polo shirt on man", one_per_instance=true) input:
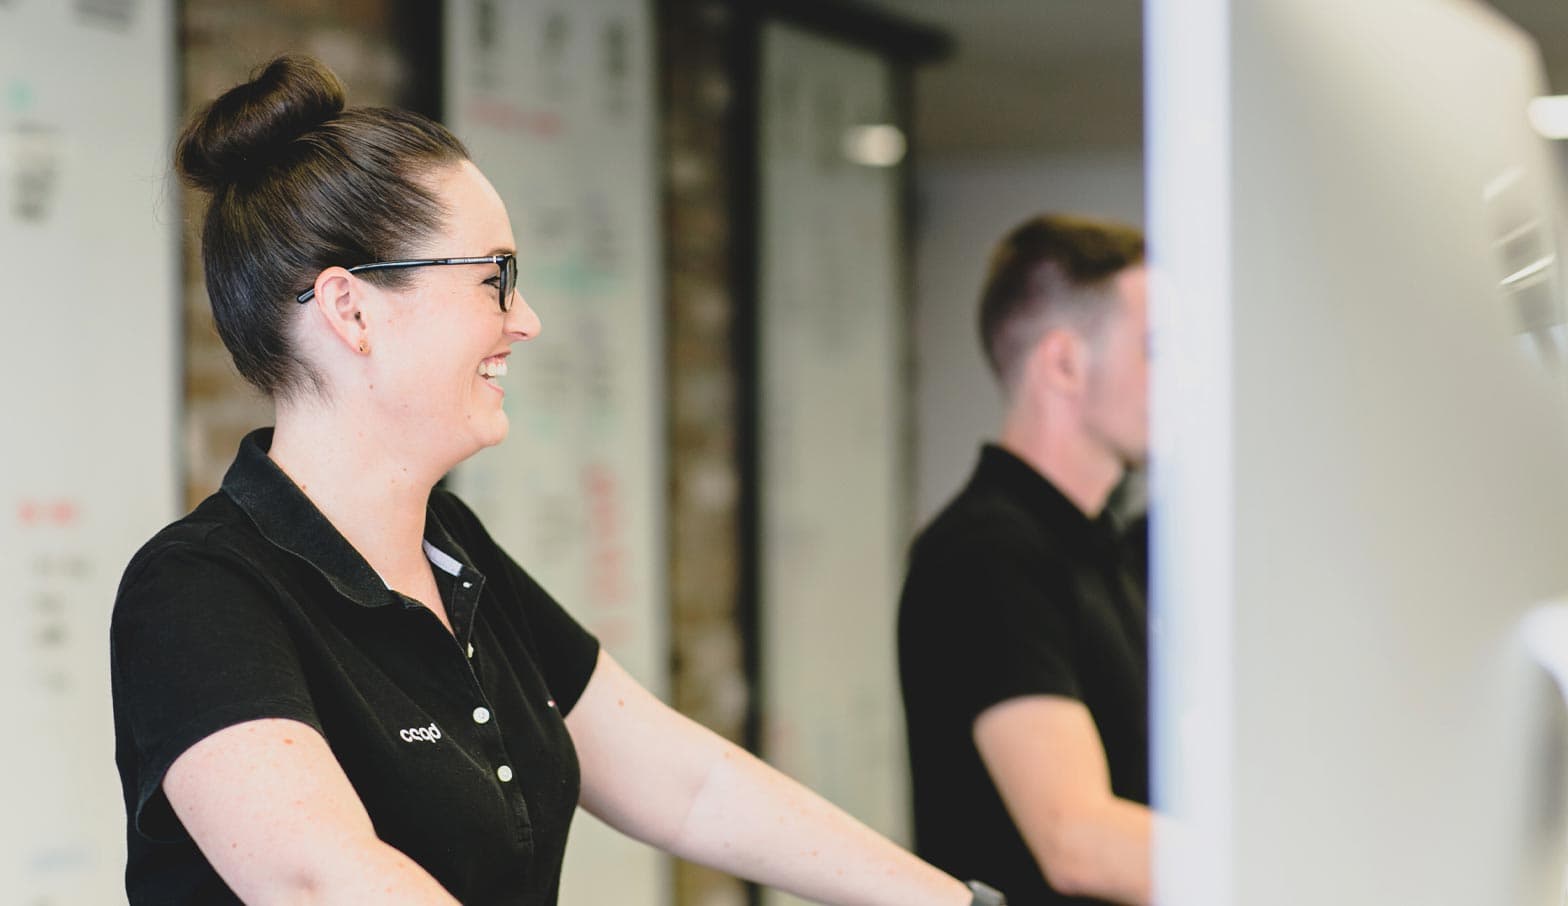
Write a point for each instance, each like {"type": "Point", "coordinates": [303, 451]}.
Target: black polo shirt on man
{"type": "Point", "coordinates": [254, 606]}
{"type": "Point", "coordinates": [1013, 591]}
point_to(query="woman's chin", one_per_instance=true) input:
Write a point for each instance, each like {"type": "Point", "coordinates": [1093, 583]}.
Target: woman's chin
{"type": "Point", "coordinates": [497, 431]}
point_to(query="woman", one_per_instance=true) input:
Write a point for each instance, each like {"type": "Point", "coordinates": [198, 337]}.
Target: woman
{"type": "Point", "coordinates": [330, 685]}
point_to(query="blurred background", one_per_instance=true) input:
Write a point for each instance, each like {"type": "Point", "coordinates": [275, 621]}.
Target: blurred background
{"type": "Point", "coordinates": [754, 232]}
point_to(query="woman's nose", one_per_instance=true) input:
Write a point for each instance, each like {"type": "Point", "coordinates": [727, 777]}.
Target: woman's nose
{"type": "Point", "coordinates": [522, 320]}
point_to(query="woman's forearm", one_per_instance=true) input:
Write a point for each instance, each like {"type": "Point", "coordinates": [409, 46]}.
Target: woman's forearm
{"type": "Point", "coordinates": [750, 820]}
{"type": "Point", "coordinates": [659, 776]}
{"type": "Point", "coordinates": [369, 872]}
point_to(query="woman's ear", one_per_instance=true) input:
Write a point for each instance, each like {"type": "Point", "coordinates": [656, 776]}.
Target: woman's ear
{"type": "Point", "coordinates": [337, 304]}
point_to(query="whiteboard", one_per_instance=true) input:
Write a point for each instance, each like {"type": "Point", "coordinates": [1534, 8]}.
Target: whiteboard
{"type": "Point", "coordinates": [88, 246]}
{"type": "Point", "coordinates": [555, 101]}
{"type": "Point", "coordinates": [831, 433]}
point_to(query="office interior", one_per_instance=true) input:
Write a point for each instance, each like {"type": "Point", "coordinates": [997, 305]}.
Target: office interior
{"type": "Point", "coordinates": [754, 231]}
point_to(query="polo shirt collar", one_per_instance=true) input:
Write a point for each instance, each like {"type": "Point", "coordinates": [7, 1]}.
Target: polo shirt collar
{"type": "Point", "coordinates": [1014, 478]}
{"type": "Point", "coordinates": [288, 519]}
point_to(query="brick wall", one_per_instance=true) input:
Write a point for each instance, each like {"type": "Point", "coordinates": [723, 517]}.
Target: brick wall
{"type": "Point", "coordinates": [709, 681]}
{"type": "Point", "coordinates": [221, 42]}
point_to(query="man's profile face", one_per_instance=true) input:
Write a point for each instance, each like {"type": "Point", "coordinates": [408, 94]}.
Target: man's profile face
{"type": "Point", "coordinates": [1116, 410]}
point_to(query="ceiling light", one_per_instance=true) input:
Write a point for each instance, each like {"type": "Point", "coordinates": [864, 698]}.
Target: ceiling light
{"type": "Point", "coordinates": [875, 145]}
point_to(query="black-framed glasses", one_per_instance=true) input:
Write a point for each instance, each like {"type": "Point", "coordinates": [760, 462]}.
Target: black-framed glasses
{"type": "Point", "coordinates": [507, 263]}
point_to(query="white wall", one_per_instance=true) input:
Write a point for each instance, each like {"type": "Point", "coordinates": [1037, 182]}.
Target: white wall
{"type": "Point", "coordinates": [965, 206]}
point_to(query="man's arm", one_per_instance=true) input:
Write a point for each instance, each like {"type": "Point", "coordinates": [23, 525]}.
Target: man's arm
{"type": "Point", "coordinates": [1047, 761]}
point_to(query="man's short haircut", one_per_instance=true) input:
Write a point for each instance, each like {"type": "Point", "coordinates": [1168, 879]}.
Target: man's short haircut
{"type": "Point", "coordinates": [1054, 270]}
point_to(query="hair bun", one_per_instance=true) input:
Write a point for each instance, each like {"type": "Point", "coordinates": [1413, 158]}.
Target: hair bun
{"type": "Point", "coordinates": [241, 133]}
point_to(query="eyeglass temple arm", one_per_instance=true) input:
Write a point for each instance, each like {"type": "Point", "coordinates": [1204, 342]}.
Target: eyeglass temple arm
{"type": "Point", "coordinates": [305, 296]}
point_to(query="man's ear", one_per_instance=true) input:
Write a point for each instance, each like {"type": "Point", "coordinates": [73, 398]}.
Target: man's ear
{"type": "Point", "coordinates": [338, 304]}
{"type": "Point", "coordinates": [1060, 362]}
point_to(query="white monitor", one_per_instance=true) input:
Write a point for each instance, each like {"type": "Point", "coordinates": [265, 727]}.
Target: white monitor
{"type": "Point", "coordinates": [1360, 456]}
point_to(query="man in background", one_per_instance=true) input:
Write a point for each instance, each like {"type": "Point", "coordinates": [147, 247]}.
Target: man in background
{"type": "Point", "coordinates": [1022, 642]}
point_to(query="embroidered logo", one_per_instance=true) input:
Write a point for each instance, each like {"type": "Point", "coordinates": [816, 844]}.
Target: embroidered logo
{"type": "Point", "coordinates": [420, 734]}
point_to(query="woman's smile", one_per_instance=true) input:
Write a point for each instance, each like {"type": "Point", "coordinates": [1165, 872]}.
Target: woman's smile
{"type": "Point", "coordinates": [493, 369]}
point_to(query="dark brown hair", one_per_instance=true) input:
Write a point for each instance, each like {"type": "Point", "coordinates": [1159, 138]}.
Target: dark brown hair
{"type": "Point", "coordinates": [1055, 268]}
{"type": "Point", "coordinates": [299, 183]}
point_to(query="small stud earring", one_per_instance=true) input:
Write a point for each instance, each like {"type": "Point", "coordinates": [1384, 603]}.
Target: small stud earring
{"type": "Point", "coordinates": [363, 347]}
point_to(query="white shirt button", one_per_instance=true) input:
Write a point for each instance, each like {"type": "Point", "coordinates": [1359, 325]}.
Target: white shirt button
{"type": "Point", "coordinates": [505, 773]}
{"type": "Point", "coordinates": [481, 715]}
{"type": "Point", "coordinates": [470, 649]}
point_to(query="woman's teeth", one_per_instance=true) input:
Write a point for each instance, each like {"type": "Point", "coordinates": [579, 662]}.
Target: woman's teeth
{"type": "Point", "coordinates": [492, 368]}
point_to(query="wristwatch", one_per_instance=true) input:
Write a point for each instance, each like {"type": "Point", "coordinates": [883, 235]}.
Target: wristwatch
{"type": "Point", "coordinates": [985, 895]}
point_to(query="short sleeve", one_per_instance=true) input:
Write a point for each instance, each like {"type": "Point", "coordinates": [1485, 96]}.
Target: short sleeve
{"type": "Point", "coordinates": [197, 644]}
{"type": "Point", "coordinates": [996, 625]}
{"type": "Point", "coordinates": [565, 650]}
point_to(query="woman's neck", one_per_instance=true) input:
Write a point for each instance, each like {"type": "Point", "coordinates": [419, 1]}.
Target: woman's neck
{"type": "Point", "coordinates": [374, 496]}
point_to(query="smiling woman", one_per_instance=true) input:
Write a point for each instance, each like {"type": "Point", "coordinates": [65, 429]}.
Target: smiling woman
{"type": "Point", "coordinates": [420, 357]}
{"type": "Point", "coordinates": [329, 682]}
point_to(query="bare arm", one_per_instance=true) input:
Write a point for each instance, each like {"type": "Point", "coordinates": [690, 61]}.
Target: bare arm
{"type": "Point", "coordinates": [652, 773]}
{"type": "Point", "coordinates": [1046, 758]}
{"type": "Point", "coordinates": [270, 808]}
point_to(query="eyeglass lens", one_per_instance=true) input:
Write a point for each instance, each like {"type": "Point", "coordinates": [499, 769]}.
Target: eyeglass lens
{"type": "Point", "coordinates": [508, 281]}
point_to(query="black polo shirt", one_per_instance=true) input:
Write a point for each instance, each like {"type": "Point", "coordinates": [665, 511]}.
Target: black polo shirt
{"type": "Point", "coordinates": [1013, 591]}
{"type": "Point", "coordinates": [254, 606]}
